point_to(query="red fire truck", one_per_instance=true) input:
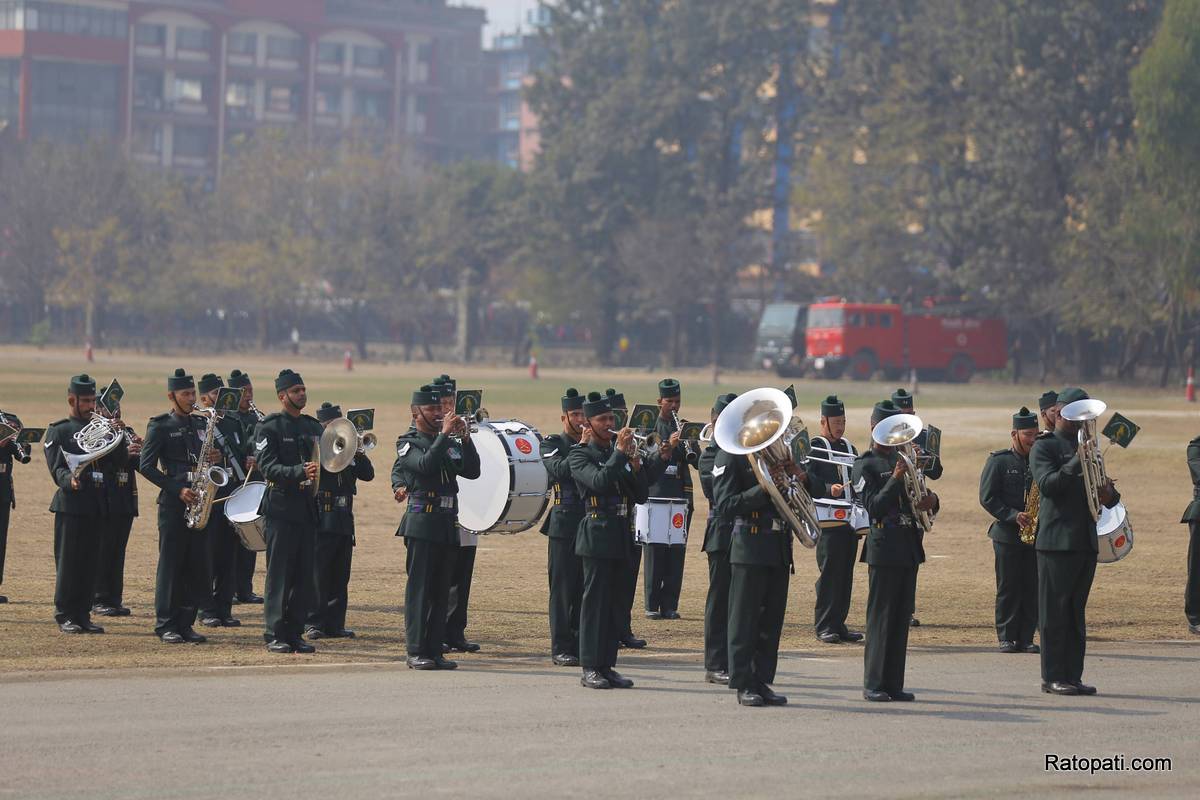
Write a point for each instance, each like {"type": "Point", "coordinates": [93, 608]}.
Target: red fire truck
{"type": "Point", "coordinates": [940, 342]}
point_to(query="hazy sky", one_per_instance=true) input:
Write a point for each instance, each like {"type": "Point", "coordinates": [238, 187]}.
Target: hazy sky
{"type": "Point", "coordinates": [503, 15]}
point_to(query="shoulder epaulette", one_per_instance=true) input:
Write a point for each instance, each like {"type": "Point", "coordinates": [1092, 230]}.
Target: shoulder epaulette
{"type": "Point", "coordinates": [62, 421]}
{"type": "Point", "coordinates": [1045, 434]}
{"type": "Point", "coordinates": [1000, 452]}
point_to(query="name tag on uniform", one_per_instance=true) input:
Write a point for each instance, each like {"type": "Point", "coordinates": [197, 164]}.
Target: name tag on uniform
{"type": "Point", "coordinates": [175, 434]}
{"type": "Point", "coordinates": [673, 469]}
{"type": "Point", "coordinates": [286, 439]}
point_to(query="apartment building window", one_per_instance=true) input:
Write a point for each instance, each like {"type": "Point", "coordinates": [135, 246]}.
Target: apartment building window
{"type": "Point", "coordinates": [283, 48]}
{"type": "Point", "coordinates": [148, 90]}
{"type": "Point", "coordinates": [369, 57]}
{"type": "Point", "coordinates": [239, 99]}
{"type": "Point", "coordinates": [331, 54]}
{"type": "Point", "coordinates": [371, 105]}
{"type": "Point", "coordinates": [189, 89]}
{"type": "Point", "coordinates": [148, 138]}
{"type": "Point", "coordinates": [192, 142]}
{"type": "Point", "coordinates": [193, 39]}
{"type": "Point", "coordinates": [329, 101]}
{"type": "Point", "coordinates": [75, 20]}
{"type": "Point", "coordinates": [147, 35]}
{"type": "Point", "coordinates": [283, 99]}
{"type": "Point", "coordinates": [71, 101]}
{"type": "Point", "coordinates": [242, 44]}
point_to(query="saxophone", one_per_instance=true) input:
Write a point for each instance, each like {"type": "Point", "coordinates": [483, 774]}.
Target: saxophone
{"type": "Point", "coordinates": [1033, 499]}
{"type": "Point", "coordinates": [208, 477]}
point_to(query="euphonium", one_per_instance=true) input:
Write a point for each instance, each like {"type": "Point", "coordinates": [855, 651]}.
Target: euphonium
{"type": "Point", "coordinates": [1033, 501]}
{"type": "Point", "coordinates": [1091, 460]}
{"type": "Point", "coordinates": [899, 431]}
{"type": "Point", "coordinates": [208, 477]}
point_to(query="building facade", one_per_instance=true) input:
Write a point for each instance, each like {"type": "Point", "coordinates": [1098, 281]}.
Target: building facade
{"type": "Point", "coordinates": [178, 81]}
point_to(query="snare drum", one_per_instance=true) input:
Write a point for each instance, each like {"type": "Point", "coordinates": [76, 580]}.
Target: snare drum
{"type": "Point", "coordinates": [660, 520]}
{"type": "Point", "coordinates": [1114, 534]}
{"type": "Point", "coordinates": [833, 513]}
{"type": "Point", "coordinates": [241, 509]}
{"type": "Point", "coordinates": [510, 493]}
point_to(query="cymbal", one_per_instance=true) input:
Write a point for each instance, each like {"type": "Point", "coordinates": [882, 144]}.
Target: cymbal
{"type": "Point", "coordinates": [339, 444]}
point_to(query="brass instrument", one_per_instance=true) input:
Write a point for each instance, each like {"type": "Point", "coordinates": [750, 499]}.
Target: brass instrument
{"type": "Point", "coordinates": [1033, 501]}
{"type": "Point", "coordinates": [261, 416]}
{"type": "Point", "coordinates": [15, 423]}
{"type": "Point", "coordinates": [208, 478]}
{"type": "Point", "coordinates": [341, 442]}
{"type": "Point", "coordinates": [99, 437]}
{"type": "Point", "coordinates": [1091, 460]}
{"type": "Point", "coordinates": [899, 431]}
{"type": "Point", "coordinates": [760, 426]}
{"type": "Point", "coordinates": [647, 444]}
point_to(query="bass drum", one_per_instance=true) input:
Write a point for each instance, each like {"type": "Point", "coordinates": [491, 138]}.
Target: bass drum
{"type": "Point", "coordinates": [1114, 534]}
{"type": "Point", "coordinates": [510, 494]}
{"type": "Point", "coordinates": [241, 509]}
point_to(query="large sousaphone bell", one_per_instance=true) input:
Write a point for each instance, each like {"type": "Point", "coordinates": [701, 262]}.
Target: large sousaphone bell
{"type": "Point", "coordinates": [340, 442]}
{"type": "Point", "coordinates": [759, 425]}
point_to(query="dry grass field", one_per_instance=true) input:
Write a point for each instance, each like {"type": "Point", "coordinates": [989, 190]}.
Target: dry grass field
{"type": "Point", "coordinates": [1138, 598]}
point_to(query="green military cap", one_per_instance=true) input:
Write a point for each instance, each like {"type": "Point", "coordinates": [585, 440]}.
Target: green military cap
{"type": "Point", "coordinates": [1071, 394]}
{"type": "Point", "coordinates": [286, 379]}
{"type": "Point", "coordinates": [832, 407]}
{"type": "Point", "coordinates": [902, 400]}
{"type": "Point", "coordinates": [328, 411]}
{"type": "Point", "coordinates": [668, 387]}
{"type": "Point", "coordinates": [180, 380]}
{"type": "Point", "coordinates": [208, 382]}
{"type": "Point", "coordinates": [615, 399]}
{"type": "Point", "coordinates": [442, 388]}
{"type": "Point", "coordinates": [427, 395]}
{"type": "Point", "coordinates": [596, 404]}
{"type": "Point", "coordinates": [238, 379]}
{"type": "Point", "coordinates": [1024, 420]}
{"type": "Point", "coordinates": [883, 410]}
{"type": "Point", "coordinates": [722, 401]}
{"type": "Point", "coordinates": [82, 386]}
{"type": "Point", "coordinates": [447, 381]}
{"type": "Point", "coordinates": [572, 400]}
{"type": "Point", "coordinates": [1047, 400]}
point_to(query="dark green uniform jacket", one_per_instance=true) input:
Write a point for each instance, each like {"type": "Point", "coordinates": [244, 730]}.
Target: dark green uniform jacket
{"type": "Point", "coordinates": [719, 529]}
{"type": "Point", "coordinates": [610, 487]}
{"type": "Point", "coordinates": [1003, 487]}
{"type": "Point", "coordinates": [335, 500]}
{"type": "Point", "coordinates": [821, 475]}
{"type": "Point", "coordinates": [566, 509]}
{"type": "Point", "coordinates": [672, 477]}
{"type": "Point", "coordinates": [1064, 521]}
{"type": "Point", "coordinates": [91, 499]}
{"type": "Point", "coordinates": [429, 466]}
{"type": "Point", "coordinates": [175, 442]}
{"type": "Point", "coordinates": [7, 453]}
{"type": "Point", "coordinates": [894, 538]}
{"type": "Point", "coordinates": [121, 485]}
{"type": "Point", "coordinates": [759, 536]}
{"type": "Point", "coordinates": [1192, 514]}
{"type": "Point", "coordinates": [283, 444]}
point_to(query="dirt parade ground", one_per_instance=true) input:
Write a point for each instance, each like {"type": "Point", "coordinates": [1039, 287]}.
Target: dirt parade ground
{"type": "Point", "coordinates": [134, 717]}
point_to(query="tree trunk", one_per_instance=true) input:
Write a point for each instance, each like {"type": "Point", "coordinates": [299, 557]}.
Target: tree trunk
{"type": "Point", "coordinates": [360, 329]}
{"type": "Point", "coordinates": [263, 322]}
{"type": "Point", "coordinates": [1169, 351]}
{"type": "Point", "coordinates": [466, 317]}
{"type": "Point", "coordinates": [714, 321]}
{"type": "Point", "coordinates": [602, 344]}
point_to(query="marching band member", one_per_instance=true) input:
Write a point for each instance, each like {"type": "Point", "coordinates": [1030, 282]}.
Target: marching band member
{"type": "Point", "coordinates": [838, 545]}
{"type": "Point", "coordinates": [1066, 551]}
{"type": "Point", "coordinates": [1191, 597]}
{"type": "Point", "coordinates": [216, 610]}
{"type": "Point", "coordinates": [428, 462]}
{"type": "Point", "coordinates": [335, 541]}
{"type": "Point", "coordinates": [610, 477]}
{"type": "Point", "coordinates": [563, 567]}
{"type": "Point", "coordinates": [249, 418]}
{"type": "Point", "coordinates": [287, 455]}
{"type": "Point", "coordinates": [122, 496]}
{"type": "Point", "coordinates": [464, 557]}
{"type": "Point", "coordinates": [760, 559]}
{"type": "Point", "coordinates": [892, 553]}
{"type": "Point", "coordinates": [627, 588]}
{"type": "Point", "coordinates": [904, 401]}
{"type": "Point", "coordinates": [663, 570]}
{"type": "Point", "coordinates": [1003, 487]}
{"type": "Point", "coordinates": [1048, 410]}
{"type": "Point", "coordinates": [169, 460]}
{"type": "Point", "coordinates": [717, 534]}
{"type": "Point", "coordinates": [9, 451]}
{"type": "Point", "coordinates": [79, 506]}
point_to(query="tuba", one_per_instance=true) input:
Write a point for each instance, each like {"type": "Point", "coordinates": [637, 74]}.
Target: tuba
{"type": "Point", "coordinates": [760, 426]}
{"type": "Point", "coordinates": [208, 477]}
{"type": "Point", "coordinates": [900, 431]}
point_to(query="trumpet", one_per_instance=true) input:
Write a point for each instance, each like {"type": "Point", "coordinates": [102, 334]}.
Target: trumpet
{"type": "Point", "coordinates": [647, 444]}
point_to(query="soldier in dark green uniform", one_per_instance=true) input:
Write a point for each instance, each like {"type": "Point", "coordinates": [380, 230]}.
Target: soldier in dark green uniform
{"type": "Point", "coordinates": [216, 610]}
{"type": "Point", "coordinates": [611, 479]}
{"type": "Point", "coordinates": [121, 487]}
{"type": "Point", "coordinates": [287, 449]}
{"type": "Point", "coordinates": [248, 418]}
{"type": "Point", "coordinates": [663, 570]}
{"type": "Point", "coordinates": [892, 552]}
{"type": "Point", "coordinates": [904, 401]}
{"type": "Point", "coordinates": [760, 560]}
{"type": "Point", "coordinates": [838, 545]}
{"type": "Point", "coordinates": [563, 567]}
{"type": "Point", "coordinates": [9, 451]}
{"type": "Point", "coordinates": [169, 460]}
{"type": "Point", "coordinates": [1048, 410]}
{"type": "Point", "coordinates": [1191, 595]}
{"type": "Point", "coordinates": [464, 558]}
{"type": "Point", "coordinates": [718, 531]}
{"type": "Point", "coordinates": [1003, 487]}
{"type": "Point", "coordinates": [1066, 552]}
{"type": "Point", "coordinates": [335, 540]}
{"type": "Point", "coordinates": [628, 577]}
{"type": "Point", "coordinates": [79, 507]}
{"type": "Point", "coordinates": [429, 459]}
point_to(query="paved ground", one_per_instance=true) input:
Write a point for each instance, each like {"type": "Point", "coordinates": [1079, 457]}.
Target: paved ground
{"type": "Point", "coordinates": [499, 727]}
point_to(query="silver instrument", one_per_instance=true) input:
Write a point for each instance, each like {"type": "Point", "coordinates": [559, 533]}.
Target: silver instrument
{"type": "Point", "coordinates": [208, 478]}
{"type": "Point", "coordinates": [760, 425]}
{"type": "Point", "coordinates": [647, 444]}
{"type": "Point", "coordinates": [899, 431]}
{"type": "Point", "coordinates": [99, 437]}
{"type": "Point", "coordinates": [1091, 460]}
{"type": "Point", "coordinates": [341, 442]}
{"type": "Point", "coordinates": [261, 416]}
{"type": "Point", "coordinates": [16, 425]}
